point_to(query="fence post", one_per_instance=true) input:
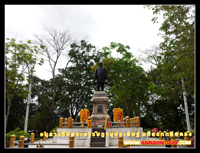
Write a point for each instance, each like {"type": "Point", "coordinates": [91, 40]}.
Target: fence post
{"type": "Point", "coordinates": [60, 123]}
{"type": "Point", "coordinates": [72, 122]}
{"type": "Point", "coordinates": [69, 122]}
{"type": "Point", "coordinates": [32, 137]}
{"type": "Point", "coordinates": [14, 139]}
{"type": "Point", "coordinates": [138, 121]}
{"type": "Point", "coordinates": [173, 139]}
{"type": "Point", "coordinates": [127, 122]}
{"type": "Point", "coordinates": [89, 122]}
{"type": "Point", "coordinates": [160, 137]}
{"type": "Point", "coordinates": [186, 137]}
{"type": "Point", "coordinates": [40, 146]}
{"type": "Point", "coordinates": [11, 141]}
{"type": "Point", "coordinates": [65, 122]}
{"type": "Point", "coordinates": [139, 124]}
{"type": "Point", "coordinates": [44, 136]}
{"type": "Point", "coordinates": [21, 142]}
{"type": "Point", "coordinates": [120, 142]}
{"type": "Point", "coordinates": [134, 120]}
{"type": "Point", "coordinates": [71, 142]}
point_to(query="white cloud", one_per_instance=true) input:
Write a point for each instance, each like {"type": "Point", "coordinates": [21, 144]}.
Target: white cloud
{"type": "Point", "coordinates": [21, 20]}
{"type": "Point", "coordinates": [128, 24]}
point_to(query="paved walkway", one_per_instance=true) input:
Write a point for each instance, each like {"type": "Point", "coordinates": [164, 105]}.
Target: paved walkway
{"type": "Point", "coordinates": [50, 140]}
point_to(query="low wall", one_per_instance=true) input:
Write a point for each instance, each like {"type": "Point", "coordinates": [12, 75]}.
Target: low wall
{"type": "Point", "coordinates": [112, 134]}
{"type": "Point", "coordinates": [79, 140]}
{"type": "Point", "coordinates": [113, 140]}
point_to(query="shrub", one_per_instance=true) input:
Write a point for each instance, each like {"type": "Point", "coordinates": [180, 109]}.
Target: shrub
{"type": "Point", "coordinates": [193, 133]}
{"type": "Point", "coordinates": [54, 129]}
{"type": "Point", "coordinates": [17, 133]}
{"type": "Point", "coordinates": [148, 129]}
{"type": "Point", "coordinates": [78, 118]}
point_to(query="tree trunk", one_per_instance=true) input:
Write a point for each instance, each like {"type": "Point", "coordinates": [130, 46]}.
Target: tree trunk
{"type": "Point", "coordinates": [50, 117]}
{"type": "Point", "coordinates": [185, 104]}
{"type": "Point", "coordinates": [8, 112]}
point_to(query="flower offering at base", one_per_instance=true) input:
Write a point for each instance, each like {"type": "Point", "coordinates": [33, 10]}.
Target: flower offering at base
{"type": "Point", "coordinates": [107, 122]}
{"type": "Point", "coordinates": [118, 116]}
{"type": "Point", "coordinates": [84, 113]}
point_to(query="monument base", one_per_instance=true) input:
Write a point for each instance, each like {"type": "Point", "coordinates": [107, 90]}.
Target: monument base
{"type": "Point", "coordinates": [99, 111]}
{"type": "Point", "coordinates": [79, 140]}
{"type": "Point", "coordinates": [112, 139]}
{"type": "Point", "coordinates": [96, 118]}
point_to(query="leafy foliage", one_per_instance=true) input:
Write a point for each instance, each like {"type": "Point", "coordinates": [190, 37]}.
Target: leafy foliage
{"type": "Point", "coordinates": [19, 58]}
{"type": "Point", "coordinates": [17, 133]}
{"type": "Point", "coordinates": [129, 82]}
{"type": "Point", "coordinates": [45, 117]}
{"type": "Point", "coordinates": [17, 111]}
{"type": "Point", "coordinates": [178, 47]}
{"type": "Point", "coordinates": [176, 62]}
{"type": "Point", "coordinates": [155, 95]}
{"type": "Point", "coordinates": [78, 83]}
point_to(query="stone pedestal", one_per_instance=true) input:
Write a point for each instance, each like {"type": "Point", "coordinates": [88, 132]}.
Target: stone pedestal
{"type": "Point", "coordinates": [99, 112]}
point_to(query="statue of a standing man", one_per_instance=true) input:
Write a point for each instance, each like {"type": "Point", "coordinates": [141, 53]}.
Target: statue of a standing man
{"type": "Point", "coordinates": [100, 74]}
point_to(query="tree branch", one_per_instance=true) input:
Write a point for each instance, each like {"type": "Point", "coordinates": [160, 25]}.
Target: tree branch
{"type": "Point", "coordinates": [39, 94]}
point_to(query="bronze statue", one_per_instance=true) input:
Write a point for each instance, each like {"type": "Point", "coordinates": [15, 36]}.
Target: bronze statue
{"type": "Point", "coordinates": [100, 74]}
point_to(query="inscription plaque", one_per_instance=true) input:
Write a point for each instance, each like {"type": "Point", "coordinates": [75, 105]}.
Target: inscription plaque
{"type": "Point", "coordinates": [99, 108]}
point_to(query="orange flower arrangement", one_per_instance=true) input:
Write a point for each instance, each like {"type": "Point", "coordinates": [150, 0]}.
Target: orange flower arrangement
{"type": "Point", "coordinates": [99, 122]}
{"type": "Point", "coordinates": [84, 113]}
{"type": "Point", "coordinates": [118, 115]}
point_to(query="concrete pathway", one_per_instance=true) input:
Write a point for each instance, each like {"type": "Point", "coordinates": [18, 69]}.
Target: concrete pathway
{"type": "Point", "coordinates": [50, 140]}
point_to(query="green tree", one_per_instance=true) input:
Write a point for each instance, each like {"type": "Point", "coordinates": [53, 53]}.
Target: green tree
{"type": "Point", "coordinates": [178, 45]}
{"type": "Point", "coordinates": [177, 71]}
{"type": "Point", "coordinates": [17, 109]}
{"type": "Point", "coordinates": [159, 110]}
{"type": "Point", "coordinates": [18, 59]}
{"type": "Point", "coordinates": [43, 119]}
{"type": "Point", "coordinates": [78, 83]}
{"type": "Point", "coordinates": [129, 81]}
{"type": "Point", "coordinates": [74, 88]}
{"type": "Point", "coordinates": [55, 42]}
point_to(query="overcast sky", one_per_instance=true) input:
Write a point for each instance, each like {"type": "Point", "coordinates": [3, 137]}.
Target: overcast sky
{"type": "Point", "coordinates": [102, 24]}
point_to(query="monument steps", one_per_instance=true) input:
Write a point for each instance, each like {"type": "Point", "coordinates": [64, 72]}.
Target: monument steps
{"type": "Point", "coordinates": [97, 141]}
{"type": "Point", "coordinates": [98, 129]}
{"type": "Point", "coordinates": [97, 144]}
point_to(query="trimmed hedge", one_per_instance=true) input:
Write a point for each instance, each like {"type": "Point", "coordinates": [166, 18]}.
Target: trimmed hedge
{"type": "Point", "coordinates": [17, 133]}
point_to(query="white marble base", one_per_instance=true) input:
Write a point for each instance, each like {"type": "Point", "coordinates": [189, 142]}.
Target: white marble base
{"type": "Point", "coordinates": [113, 141]}
{"type": "Point", "coordinates": [79, 141]}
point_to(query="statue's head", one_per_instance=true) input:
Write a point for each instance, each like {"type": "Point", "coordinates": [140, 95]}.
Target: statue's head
{"type": "Point", "coordinates": [100, 64]}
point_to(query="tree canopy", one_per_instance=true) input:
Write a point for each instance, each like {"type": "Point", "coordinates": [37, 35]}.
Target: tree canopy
{"type": "Point", "coordinates": [129, 80]}
{"type": "Point", "coordinates": [155, 95]}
